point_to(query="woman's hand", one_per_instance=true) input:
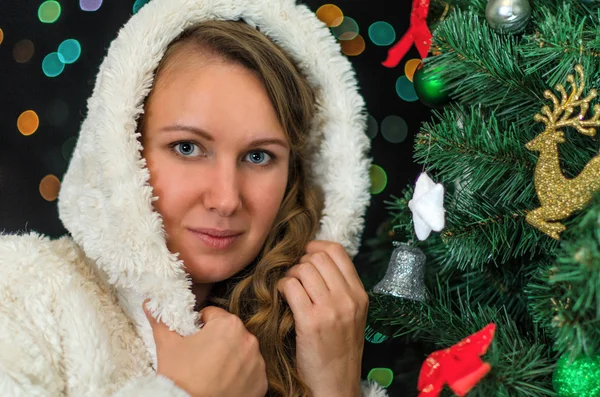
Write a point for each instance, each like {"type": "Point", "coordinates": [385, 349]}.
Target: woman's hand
{"type": "Point", "coordinates": [222, 359]}
{"type": "Point", "coordinates": [329, 304]}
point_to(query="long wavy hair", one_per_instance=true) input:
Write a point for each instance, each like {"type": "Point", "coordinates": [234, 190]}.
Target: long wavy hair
{"type": "Point", "coordinates": [252, 294]}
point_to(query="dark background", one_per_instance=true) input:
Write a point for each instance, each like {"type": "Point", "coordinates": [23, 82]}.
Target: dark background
{"type": "Point", "coordinates": [25, 160]}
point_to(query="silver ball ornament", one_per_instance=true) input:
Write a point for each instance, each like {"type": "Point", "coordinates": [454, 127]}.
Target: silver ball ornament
{"type": "Point", "coordinates": [508, 16]}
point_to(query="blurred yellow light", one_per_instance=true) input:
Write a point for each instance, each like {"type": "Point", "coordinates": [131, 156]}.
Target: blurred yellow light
{"type": "Point", "coordinates": [28, 122]}
{"type": "Point", "coordinates": [1, 36]}
{"type": "Point", "coordinates": [410, 67]}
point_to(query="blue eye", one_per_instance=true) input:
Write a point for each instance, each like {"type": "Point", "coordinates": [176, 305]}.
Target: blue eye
{"type": "Point", "coordinates": [185, 149]}
{"type": "Point", "coordinates": [259, 156]}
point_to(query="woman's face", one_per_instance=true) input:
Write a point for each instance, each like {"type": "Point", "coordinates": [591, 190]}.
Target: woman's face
{"type": "Point", "coordinates": [218, 159]}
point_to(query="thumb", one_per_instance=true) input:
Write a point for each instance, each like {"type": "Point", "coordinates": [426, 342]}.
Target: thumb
{"type": "Point", "coordinates": [210, 313]}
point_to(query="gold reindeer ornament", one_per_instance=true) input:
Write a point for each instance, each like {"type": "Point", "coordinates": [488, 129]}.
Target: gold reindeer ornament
{"type": "Point", "coordinates": [559, 196]}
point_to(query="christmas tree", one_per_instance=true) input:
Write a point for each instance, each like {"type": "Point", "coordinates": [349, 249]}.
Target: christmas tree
{"type": "Point", "coordinates": [515, 272]}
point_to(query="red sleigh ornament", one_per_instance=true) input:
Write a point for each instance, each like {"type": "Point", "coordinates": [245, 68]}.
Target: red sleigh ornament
{"type": "Point", "coordinates": [418, 34]}
{"type": "Point", "coordinates": [460, 366]}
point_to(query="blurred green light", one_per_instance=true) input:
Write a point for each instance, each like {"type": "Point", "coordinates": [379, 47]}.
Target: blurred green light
{"type": "Point", "coordinates": [138, 4]}
{"type": "Point", "coordinates": [49, 11]}
{"type": "Point", "coordinates": [347, 30]}
{"type": "Point", "coordinates": [383, 376]}
{"type": "Point", "coordinates": [52, 65]}
{"type": "Point", "coordinates": [382, 33]}
{"type": "Point", "coordinates": [394, 129]}
{"type": "Point", "coordinates": [69, 51]}
{"type": "Point", "coordinates": [372, 126]}
{"type": "Point", "coordinates": [378, 179]}
{"type": "Point", "coordinates": [406, 89]}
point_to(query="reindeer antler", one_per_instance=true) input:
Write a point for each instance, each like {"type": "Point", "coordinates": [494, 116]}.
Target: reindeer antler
{"type": "Point", "coordinates": [568, 104]}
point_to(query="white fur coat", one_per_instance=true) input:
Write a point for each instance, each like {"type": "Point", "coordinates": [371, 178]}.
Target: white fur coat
{"type": "Point", "coordinates": [71, 319]}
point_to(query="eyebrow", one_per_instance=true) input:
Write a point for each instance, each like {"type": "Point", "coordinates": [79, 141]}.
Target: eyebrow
{"type": "Point", "coordinates": [208, 137]}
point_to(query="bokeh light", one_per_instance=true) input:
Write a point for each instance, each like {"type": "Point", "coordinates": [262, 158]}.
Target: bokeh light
{"type": "Point", "coordinates": [378, 179]}
{"type": "Point", "coordinates": [138, 5]}
{"type": "Point", "coordinates": [410, 67]}
{"type": "Point", "coordinates": [347, 30]}
{"type": "Point", "coordinates": [374, 336]}
{"type": "Point", "coordinates": [1, 35]}
{"type": "Point", "coordinates": [69, 51]}
{"type": "Point", "coordinates": [383, 376]}
{"type": "Point", "coordinates": [394, 129]}
{"type": "Point", "coordinates": [405, 89]}
{"type": "Point", "coordinates": [68, 147]}
{"type": "Point", "coordinates": [372, 126]}
{"type": "Point", "coordinates": [353, 47]}
{"type": "Point", "coordinates": [330, 14]}
{"type": "Point", "coordinates": [382, 33]}
{"type": "Point", "coordinates": [28, 122]}
{"type": "Point", "coordinates": [90, 5]}
{"type": "Point", "coordinates": [50, 187]}
{"type": "Point", "coordinates": [49, 11]}
{"type": "Point", "coordinates": [52, 65]}
{"type": "Point", "coordinates": [57, 112]}
{"type": "Point", "coordinates": [23, 51]}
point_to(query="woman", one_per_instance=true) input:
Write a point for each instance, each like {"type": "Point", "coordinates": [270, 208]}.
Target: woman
{"type": "Point", "coordinates": [195, 182]}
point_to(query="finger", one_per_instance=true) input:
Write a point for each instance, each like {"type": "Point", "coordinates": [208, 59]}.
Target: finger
{"type": "Point", "coordinates": [210, 313]}
{"type": "Point", "coordinates": [160, 331]}
{"type": "Point", "coordinates": [340, 258]}
{"type": "Point", "coordinates": [311, 280]}
{"type": "Point", "coordinates": [295, 295]}
{"type": "Point", "coordinates": [329, 271]}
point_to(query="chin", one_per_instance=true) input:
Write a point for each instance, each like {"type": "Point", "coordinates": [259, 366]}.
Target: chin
{"type": "Point", "coordinates": [210, 270]}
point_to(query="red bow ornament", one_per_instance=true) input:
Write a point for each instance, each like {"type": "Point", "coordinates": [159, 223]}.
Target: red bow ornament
{"type": "Point", "coordinates": [418, 34]}
{"type": "Point", "coordinates": [459, 366]}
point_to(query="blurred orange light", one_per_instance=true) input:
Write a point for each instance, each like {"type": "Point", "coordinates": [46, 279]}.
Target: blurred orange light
{"type": "Point", "coordinates": [28, 122]}
{"type": "Point", "coordinates": [49, 187]}
{"type": "Point", "coordinates": [410, 67]}
{"type": "Point", "coordinates": [330, 14]}
{"type": "Point", "coordinates": [353, 47]}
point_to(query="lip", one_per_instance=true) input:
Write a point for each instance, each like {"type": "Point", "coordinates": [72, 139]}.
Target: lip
{"type": "Point", "coordinates": [216, 232]}
{"type": "Point", "coordinates": [215, 241]}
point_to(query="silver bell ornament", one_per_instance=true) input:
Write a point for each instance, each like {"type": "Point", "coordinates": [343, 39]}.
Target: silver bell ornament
{"type": "Point", "coordinates": [508, 16]}
{"type": "Point", "coordinates": [404, 275]}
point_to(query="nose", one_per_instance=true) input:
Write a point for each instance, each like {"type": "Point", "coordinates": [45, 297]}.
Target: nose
{"type": "Point", "coordinates": [223, 191]}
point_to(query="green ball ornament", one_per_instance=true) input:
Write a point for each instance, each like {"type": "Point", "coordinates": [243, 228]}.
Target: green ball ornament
{"type": "Point", "coordinates": [577, 379]}
{"type": "Point", "coordinates": [430, 88]}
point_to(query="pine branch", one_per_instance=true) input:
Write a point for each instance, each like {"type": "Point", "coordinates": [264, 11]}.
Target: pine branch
{"type": "Point", "coordinates": [481, 67]}
{"type": "Point", "coordinates": [488, 175]}
{"type": "Point", "coordinates": [565, 297]}
{"type": "Point", "coordinates": [522, 363]}
{"type": "Point", "coordinates": [562, 39]}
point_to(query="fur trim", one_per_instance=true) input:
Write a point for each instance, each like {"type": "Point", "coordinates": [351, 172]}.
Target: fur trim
{"type": "Point", "coordinates": [372, 389]}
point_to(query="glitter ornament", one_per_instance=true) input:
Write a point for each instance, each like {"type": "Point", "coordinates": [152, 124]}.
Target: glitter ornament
{"type": "Point", "coordinates": [404, 276]}
{"type": "Point", "coordinates": [459, 366]}
{"type": "Point", "coordinates": [578, 378]}
{"type": "Point", "coordinates": [508, 16]}
{"type": "Point", "coordinates": [559, 196]}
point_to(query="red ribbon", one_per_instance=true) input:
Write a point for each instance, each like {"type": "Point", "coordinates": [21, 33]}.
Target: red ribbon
{"type": "Point", "coordinates": [459, 366]}
{"type": "Point", "coordinates": [418, 34]}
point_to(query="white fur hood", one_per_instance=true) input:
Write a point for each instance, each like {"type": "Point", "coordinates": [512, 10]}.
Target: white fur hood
{"type": "Point", "coordinates": [106, 201]}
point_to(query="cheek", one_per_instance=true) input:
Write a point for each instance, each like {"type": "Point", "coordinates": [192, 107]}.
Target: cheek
{"type": "Point", "coordinates": [266, 198]}
{"type": "Point", "coordinates": [167, 185]}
